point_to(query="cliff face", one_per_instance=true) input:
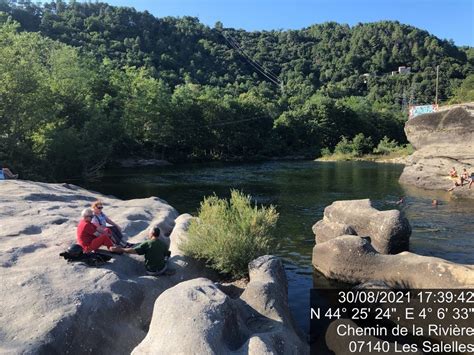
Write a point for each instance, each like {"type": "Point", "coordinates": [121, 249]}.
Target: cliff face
{"type": "Point", "coordinates": [442, 140]}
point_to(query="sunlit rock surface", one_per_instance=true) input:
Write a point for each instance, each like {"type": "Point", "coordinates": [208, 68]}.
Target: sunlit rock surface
{"type": "Point", "coordinates": [389, 231]}
{"type": "Point", "coordinates": [442, 140]}
{"type": "Point", "coordinates": [196, 317]}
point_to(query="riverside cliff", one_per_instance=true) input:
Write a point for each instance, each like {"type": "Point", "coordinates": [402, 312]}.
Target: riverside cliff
{"type": "Point", "coordinates": [442, 140]}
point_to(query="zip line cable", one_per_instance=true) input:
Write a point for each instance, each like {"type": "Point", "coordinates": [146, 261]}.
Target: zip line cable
{"type": "Point", "coordinates": [265, 72]}
{"type": "Point", "coordinates": [238, 47]}
{"type": "Point", "coordinates": [252, 63]}
{"type": "Point", "coordinates": [256, 65]}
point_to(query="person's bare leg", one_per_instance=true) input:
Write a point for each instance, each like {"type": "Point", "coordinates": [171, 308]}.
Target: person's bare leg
{"type": "Point", "coordinates": [8, 173]}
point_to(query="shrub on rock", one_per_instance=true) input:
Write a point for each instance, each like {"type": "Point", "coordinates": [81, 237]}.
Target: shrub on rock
{"type": "Point", "coordinates": [227, 235]}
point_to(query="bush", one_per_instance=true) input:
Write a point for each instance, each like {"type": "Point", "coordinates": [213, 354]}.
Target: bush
{"type": "Point", "coordinates": [386, 146]}
{"type": "Point", "coordinates": [356, 147]}
{"type": "Point", "coordinates": [361, 145]}
{"type": "Point", "coordinates": [229, 234]}
{"type": "Point", "coordinates": [343, 147]}
{"type": "Point", "coordinates": [325, 152]}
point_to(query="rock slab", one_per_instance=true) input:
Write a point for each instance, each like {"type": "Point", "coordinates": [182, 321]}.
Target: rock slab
{"type": "Point", "coordinates": [389, 231]}
{"type": "Point", "coordinates": [50, 306]}
{"type": "Point", "coordinates": [196, 317]}
{"type": "Point", "coordinates": [353, 259]}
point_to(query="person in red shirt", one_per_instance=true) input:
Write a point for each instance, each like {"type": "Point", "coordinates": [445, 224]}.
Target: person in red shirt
{"type": "Point", "coordinates": [88, 237]}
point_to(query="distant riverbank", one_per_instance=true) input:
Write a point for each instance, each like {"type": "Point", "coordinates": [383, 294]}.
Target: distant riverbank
{"type": "Point", "coordinates": [394, 158]}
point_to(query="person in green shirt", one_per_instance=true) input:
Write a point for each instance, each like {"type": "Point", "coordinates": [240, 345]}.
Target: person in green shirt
{"type": "Point", "coordinates": [155, 251]}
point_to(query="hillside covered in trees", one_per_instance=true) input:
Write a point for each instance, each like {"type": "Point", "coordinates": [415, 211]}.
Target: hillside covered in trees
{"type": "Point", "coordinates": [83, 84]}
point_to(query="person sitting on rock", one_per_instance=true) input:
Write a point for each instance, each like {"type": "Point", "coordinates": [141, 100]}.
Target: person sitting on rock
{"type": "Point", "coordinates": [453, 173]}
{"type": "Point", "coordinates": [456, 184]}
{"type": "Point", "coordinates": [464, 176]}
{"type": "Point", "coordinates": [100, 220]}
{"type": "Point", "coordinates": [88, 236]}
{"type": "Point", "coordinates": [155, 251]}
{"type": "Point", "coordinates": [7, 174]}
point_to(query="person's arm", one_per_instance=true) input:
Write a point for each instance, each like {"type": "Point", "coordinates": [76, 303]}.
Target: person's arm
{"type": "Point", "coordinates": [117, 249]}
{"type": "Point", "coordinates": [96, 223]}
{"type": "Point", "coordinates": [92, 229]}
{"type": "Point", "coordinates": [109, 221]}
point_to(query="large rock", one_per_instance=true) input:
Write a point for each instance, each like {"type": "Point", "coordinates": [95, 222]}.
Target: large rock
{"type": "Point", "coordinates": [196, 317]}
{"type": "Point", "coordinates": [353, 259]}
{"type": "Point", "coordinates": [442, 140]}
{"type": "Point", "coordinates": [52, 307]}
{"type": "Point", "coordinates": [389, 231]}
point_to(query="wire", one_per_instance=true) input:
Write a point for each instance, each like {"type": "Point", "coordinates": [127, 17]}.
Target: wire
{"type": "Point", "coordinates": [265, 72]}
{"type": "Point", "coordinates": [238, 47]}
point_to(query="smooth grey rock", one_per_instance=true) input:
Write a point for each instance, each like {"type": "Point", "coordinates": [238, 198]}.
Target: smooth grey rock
{"type": "Point", "coordinates": [196, 317]}
{"type": "Point", "coordinates": [389, 231]}
{"type": "Point", "coordinates": [325, 230]}
{"type": "Point", "coordinates": [50, 306]}
{"type": "Point", "coordinates": [353, 259]}
{"type": "Point", "coordinates": [442, 140]}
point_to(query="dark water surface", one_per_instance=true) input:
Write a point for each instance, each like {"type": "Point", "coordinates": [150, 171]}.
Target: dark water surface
{"type": "Point", "coordinates": [301, 190]}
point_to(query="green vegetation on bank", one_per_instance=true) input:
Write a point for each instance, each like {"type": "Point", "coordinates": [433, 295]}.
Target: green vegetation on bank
{"type": "Point", "coordinates": [227, 235]}
{"type": "Point", "coordinates": [465, 92]}
{"type": "Point", "coordinates": [361, 148]}
{"type": "Point", "coordinates": [85, 84]}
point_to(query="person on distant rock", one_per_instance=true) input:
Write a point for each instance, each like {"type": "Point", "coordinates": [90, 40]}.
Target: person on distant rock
{"type": "Point", "coordinates": [155, 251]}
{"type": "Point", "coordinates": [7, 174]}
{"type": "Point", "coordinates": [100, 220]}
{"type": "Point", "coordinates": [471, 179]}
{"type": "Point", "coordinates": [456, 184]}
{"type": "Point", "coordinates": [88, 236]}
{"type": "Point", "coordinates": [453, 173]}
{"type": "Point", "coordinates": [464, 176]}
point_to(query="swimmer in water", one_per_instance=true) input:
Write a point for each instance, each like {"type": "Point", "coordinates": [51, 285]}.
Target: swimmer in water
{"type": "Point", "coordinates": [400, 200]}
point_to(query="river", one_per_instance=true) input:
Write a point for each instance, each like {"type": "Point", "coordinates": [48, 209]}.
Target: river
{"type": "Point", "coordinates": [301, 190]}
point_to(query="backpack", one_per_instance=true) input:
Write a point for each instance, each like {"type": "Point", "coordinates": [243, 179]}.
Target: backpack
{"type": "Point", "coordinates": [91, 259]}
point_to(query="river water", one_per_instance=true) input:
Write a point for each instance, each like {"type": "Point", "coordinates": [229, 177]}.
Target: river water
{"type": "Point", "coordinates": [301, 190]}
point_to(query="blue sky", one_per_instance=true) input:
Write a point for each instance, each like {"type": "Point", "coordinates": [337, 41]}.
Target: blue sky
{"type": "Point", "coordinates": [447, 19]}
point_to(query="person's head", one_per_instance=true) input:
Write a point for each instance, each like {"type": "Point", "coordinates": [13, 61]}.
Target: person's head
{"type": "Point", "coordinates": [97, 206]}
{"type": "Point", "coordinates": [434, 202]}
{"type": "Point", "coordinates": [87, 214]}
{"type": "Point", "coordinates": [154, 232]}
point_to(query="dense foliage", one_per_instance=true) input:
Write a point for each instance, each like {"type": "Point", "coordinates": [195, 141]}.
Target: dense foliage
{"type": "Point", "coordinates": [228, 235]}
{"type": "Point", "coordinates": [465, 93]}
{"type": "Point", "coordinates": [83, 84]}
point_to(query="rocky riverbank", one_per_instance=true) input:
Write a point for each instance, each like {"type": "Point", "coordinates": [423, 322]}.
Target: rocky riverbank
{"type": "Point", "coordinates": [50, 306]}
{"type": "Point", "coordinates": [359, 245]}
{"type": "Point", "coordinates": [355, 243]}
{"type": "Point", "coordinates": [442, 140]}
